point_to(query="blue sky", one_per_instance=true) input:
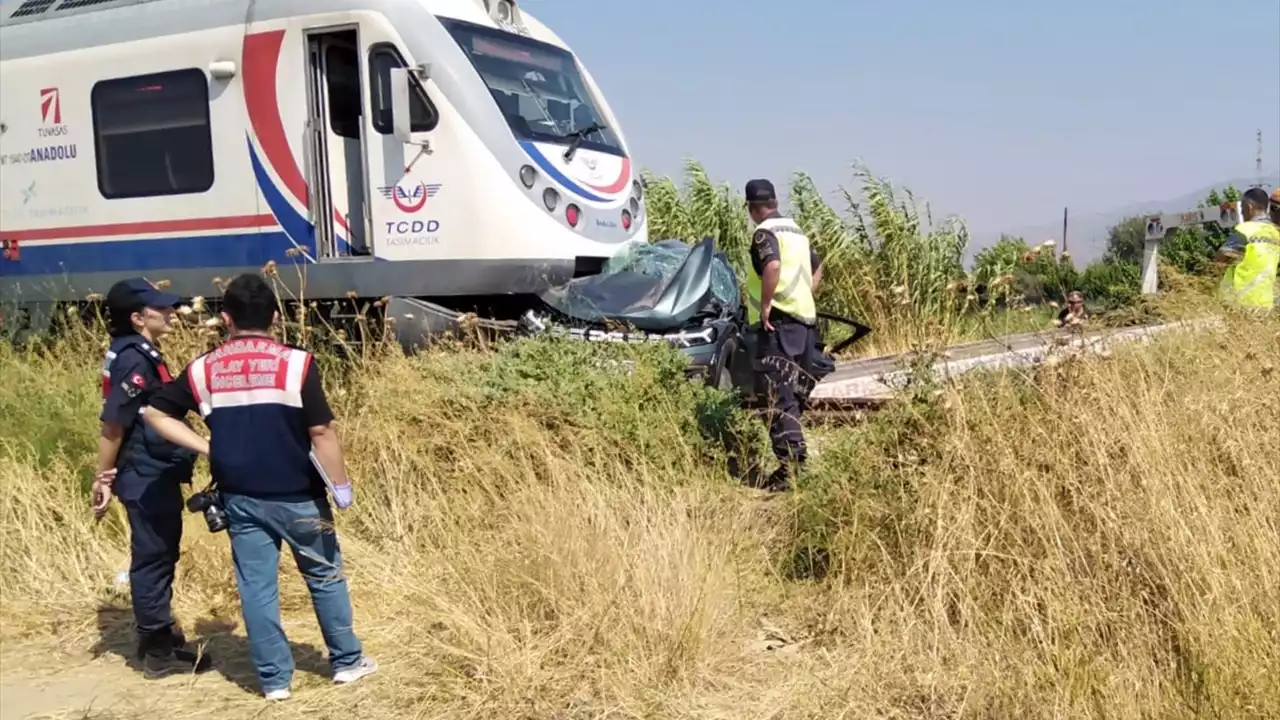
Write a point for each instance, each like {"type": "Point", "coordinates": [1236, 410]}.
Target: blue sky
{"type": "Point", "coordinates": [1000, 111]}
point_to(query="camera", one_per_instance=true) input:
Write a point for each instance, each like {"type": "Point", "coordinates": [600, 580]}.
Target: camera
{"type": "Point", "coordinates": [209, 503]}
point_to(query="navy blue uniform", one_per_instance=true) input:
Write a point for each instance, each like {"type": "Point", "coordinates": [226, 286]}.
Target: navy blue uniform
{"type": "Point", "coordinates": [782, 355]}
{"type": "Point", "coordinates": [149, 471]}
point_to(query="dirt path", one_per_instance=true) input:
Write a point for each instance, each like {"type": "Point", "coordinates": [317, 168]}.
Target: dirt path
{"type": "Point", "coordinates": [85, 691]}
{"type": "Point", "coordinates": [40, 682]}
{"type": "Point", "coordinates": [88, 677]}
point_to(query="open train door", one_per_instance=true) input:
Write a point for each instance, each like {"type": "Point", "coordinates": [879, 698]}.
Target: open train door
{"type": "Point", "coordinates": [336, 143]}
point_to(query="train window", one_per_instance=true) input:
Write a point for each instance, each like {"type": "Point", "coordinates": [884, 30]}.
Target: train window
{"type": "Point", "coordinates": [342, 77]}
{"type": "Point", "coordinates": [151, 134]}
{"type": "Point", "coordinates": [422, 112]}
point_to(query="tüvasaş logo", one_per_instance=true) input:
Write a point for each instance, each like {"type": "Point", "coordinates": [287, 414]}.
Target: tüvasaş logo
{"type": "Point", "coordinates": [50, 127]}
{"type": "Point", "coordinates": [51, 113]}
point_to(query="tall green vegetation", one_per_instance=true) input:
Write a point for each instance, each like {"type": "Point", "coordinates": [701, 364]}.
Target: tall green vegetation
{"type": "Point", "coordinates": [1185, 254]}
{"type": "Point", "coordinates": [886, 260]}
{"type": "Point", "coordinates": [890, 264]}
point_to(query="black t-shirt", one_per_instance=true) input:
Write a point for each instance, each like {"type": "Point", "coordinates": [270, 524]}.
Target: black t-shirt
{"type": "Point", "coordinates": [176, 398]}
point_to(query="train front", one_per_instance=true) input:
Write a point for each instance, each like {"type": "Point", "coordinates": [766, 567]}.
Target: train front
{"type": "Point", "coordinates": [549, 189]}
{"type": "Point", "coordinates": [571, 159]}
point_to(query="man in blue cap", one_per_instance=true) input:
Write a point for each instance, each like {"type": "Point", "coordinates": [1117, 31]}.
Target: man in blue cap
{"type": "Point", "coordinates": [143, 469]}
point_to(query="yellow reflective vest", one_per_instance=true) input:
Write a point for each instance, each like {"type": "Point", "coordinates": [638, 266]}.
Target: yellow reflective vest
{"type": "Point", "coordinates": [794, 294]}
{"type": "Point", "coordinates": [1251, 282]}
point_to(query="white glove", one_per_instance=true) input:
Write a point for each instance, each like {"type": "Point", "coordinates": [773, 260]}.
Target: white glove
{"type": "Point", "coordinates": [343, 495]}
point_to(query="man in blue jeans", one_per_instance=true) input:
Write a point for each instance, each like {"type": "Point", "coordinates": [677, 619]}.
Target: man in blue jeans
{"type": "Point", "coordinates": [266, 410]}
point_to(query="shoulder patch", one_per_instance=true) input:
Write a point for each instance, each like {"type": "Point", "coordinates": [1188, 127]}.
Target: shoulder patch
{"type": "Point", "coordinates": [147, 348]}
{"type": "Point", "coordinates": [134, 385]}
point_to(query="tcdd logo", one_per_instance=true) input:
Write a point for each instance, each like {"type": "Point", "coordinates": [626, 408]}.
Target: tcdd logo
{"type": "Point", "coordinates": [410, 199]}
{"type": "Point", "coordinates": [405, 233]}
{"type": "Point", "coordinates": [411, 227]}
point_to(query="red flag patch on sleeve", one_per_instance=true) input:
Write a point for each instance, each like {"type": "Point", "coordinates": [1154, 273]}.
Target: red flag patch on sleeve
{"type": "Point", "coordinates": [134, 386]}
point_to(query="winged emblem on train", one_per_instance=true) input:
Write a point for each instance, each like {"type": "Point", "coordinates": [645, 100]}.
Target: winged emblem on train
{"type": "Point", "coordinates": [410, 198]}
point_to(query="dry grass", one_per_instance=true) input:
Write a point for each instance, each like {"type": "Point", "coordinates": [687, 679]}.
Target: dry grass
{"type": "Point", "coordinates": [533, 539]}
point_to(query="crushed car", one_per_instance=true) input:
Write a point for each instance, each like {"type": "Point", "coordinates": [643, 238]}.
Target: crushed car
{"type": "Point", "coordinates": [669, 291]}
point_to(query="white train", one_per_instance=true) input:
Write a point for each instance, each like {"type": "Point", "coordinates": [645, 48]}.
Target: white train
{"type": "Point", "coordinates": [450, 150]}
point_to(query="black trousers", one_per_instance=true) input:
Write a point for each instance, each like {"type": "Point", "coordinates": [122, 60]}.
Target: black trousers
{"type": "Point", "coordinates": [155, 510]}
{"type": "Point", "coordinates": [784, 359]}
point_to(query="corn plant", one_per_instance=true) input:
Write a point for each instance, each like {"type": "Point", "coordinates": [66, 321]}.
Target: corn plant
{"type": "Point", "coordinates": [885, 262]}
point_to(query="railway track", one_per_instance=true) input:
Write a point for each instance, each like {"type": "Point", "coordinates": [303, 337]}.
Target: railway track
{"type": "Point", "coordinates": [861, 386]}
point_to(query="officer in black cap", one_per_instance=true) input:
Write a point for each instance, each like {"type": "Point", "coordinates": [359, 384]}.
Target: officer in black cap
{"type": "Point", "coordinates": [781, 310]}
{"type": "Point", "coordinates": [143, 469]}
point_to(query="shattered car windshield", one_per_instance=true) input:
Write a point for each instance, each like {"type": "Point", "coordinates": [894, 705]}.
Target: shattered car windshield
{"type": "Point", "coordinates": [649, 280]}
{"type": "Point", "coordinates": [662, 259]}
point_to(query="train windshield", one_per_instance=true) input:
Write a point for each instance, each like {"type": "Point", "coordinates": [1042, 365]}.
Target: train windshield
{"type": "Point", "coordinates": [537, 86]}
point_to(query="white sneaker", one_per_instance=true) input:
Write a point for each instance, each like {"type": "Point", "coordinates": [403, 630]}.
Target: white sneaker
{"type": "Point", "coordinates": [364, 668]}
{"type": "Point", "coordinates": [278, 695]}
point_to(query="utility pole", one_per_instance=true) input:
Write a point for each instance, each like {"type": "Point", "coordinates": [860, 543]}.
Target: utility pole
{"type": "Point", "coordinates": [1064, 230]}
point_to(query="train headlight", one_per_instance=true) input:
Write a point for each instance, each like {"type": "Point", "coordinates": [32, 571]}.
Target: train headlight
{"type": "Point", "coordinates": [637, 189]}
{"type": "Point", "coordinates": [504, 12]}
{"type": "Point", "coordinates": [635, 207]}
{"type": "Point", "coordinates": [572, 214]}
{"type": "Point", "coordinates": [626, 219]}
{"type": "Point", "coordinates": [528, 175]}
{"type": "Point", "coordinates": [550, 198]}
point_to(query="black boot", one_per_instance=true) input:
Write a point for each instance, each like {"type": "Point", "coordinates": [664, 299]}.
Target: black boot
{"type": "Point", "coordinates": [166, 651]}
{"type": "Point", "coordinates": [780, 480]}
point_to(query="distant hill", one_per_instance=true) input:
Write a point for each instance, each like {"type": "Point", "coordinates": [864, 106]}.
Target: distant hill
{"type": "Point", "coordinates": [1087, 233]}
